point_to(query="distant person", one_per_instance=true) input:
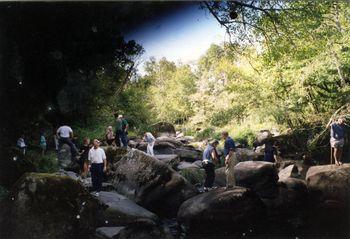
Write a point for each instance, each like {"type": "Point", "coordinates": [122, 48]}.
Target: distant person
{"type": "Point", "coordinates": [42, 143]}
{"type": "Point", "coordinates": [150, 139]}
{"type": "Point", "coordinates": [337, 140]}
{"type": "Point", "coordinates": [55, 141]}
{"type": "Point", "coordinates": [121, 131]}
{"type": "Point", "coordinates": [65, 136]}
{"type": "Point", "coordinates": [110, 135]}
{"type": "Point", "coordinates": [230, 158]}
{"type": "Point", "coordinates": [270, 152]}
{"type": "Point", "coordinates": [21, 144]}
{"type": "Point", "coordinates": [84, 158]}
{"type": "Point", "coordinates": [98, 160]}
{"type": "Point", "coordinates": [209, 161]}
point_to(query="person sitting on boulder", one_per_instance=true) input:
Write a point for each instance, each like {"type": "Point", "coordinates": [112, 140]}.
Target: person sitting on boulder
{"type": "Point", "coordinates": [110, 135]}
{"type": "Point", "coordinates": [209, 161]}
{"type": "Point", "coordinates": [98, 160]}
{"type": "Point", "coordinates": [65, 136]}
{"type": "Point", "coordinates": [84, 158]}
{"type": "Point", "coordinates": [149, 138]}
{"type": "Point", "coordinates": [337, 140]}
{"type": "Point", "coordinates": [230, 158]}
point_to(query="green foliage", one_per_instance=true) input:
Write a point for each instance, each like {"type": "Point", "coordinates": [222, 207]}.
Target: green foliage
{"type": "Point", "coordinates": [43, 164]}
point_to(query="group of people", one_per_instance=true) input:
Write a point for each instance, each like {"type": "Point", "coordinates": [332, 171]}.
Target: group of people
{"type": "Point", "coordinates": [119, 137]}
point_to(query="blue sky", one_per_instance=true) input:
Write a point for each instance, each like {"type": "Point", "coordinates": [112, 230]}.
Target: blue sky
{"type": "Point", "coordinates": [183, 35]}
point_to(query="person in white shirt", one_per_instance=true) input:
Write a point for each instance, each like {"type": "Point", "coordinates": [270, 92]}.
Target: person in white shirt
{"type": "Point", "coordinates": [149, 138]}
{"type": "Point", "coordinates": [97, 159]}
{"type": "Point", "coordinates": [22, 145]}
{"type": "Point", "coordinates": [65, 135]}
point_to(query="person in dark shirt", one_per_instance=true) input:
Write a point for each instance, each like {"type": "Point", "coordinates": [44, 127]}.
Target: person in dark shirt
{"type": "Point", "coordinates": [230, 159]}
{"type": "Point", "coordinates": [84, 157]}
{"type": "Point", "coordinates": [209, 161]}
{"type": "Point", "coordinates": [270, 152]}
{"type": "Point", "coordinates": [337, 140]}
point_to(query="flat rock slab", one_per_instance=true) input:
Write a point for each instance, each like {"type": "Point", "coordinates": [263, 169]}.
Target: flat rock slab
{"type": "Point", "coordinates": [121, 210]}
{"type": "Point", "coordinates": [108, 232]}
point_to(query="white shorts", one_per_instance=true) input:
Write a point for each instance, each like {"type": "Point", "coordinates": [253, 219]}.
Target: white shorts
{"type": "Point", "coordinates": [337, 143]}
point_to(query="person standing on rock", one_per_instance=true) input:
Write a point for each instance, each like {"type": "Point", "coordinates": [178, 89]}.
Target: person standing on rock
{"type": "Point", "coordinates": [42, 143]}
{"type": "Point", "coordinates": [150, 139]}
{"type": "Point", "coordinates": [65, 136]}
{"type": "Point", "coordinates": [121, 131]}
{"type": "Point", "coordinates": [270, 152]}
{"type": "Point", "coordinates": [84, 158]}
{"type": "Point", "coordinates": [98, 160]}
{"type": "Point", "coordinates": [209, 161]}
{"type": "Point", "coordinates": [21, 144]}
{"type": "Point", "coordinates": [230, 159]}
{"type": "Point", "coordinates": [110, 135]}
{"type": "Point", "coordinates": [337, 141]}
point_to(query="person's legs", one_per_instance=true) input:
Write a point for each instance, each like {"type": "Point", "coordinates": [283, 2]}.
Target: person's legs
{"type": "Point", "coordinates": [124, 139]}
{"type": "Point", "coordinates": [207, 175]}
{"type": "Point", "coordinates": [150, 149]}
{"type": "Point", "coordinates": [340, 153]}
{"type": "Point", "coordinates": [94, 176]}
{"type": "Point", "coordinates": [117, 138]}
{"type": "Point", "coordinates": [212, 175]}
{"type": "Point", "coordinates": [99, 177]}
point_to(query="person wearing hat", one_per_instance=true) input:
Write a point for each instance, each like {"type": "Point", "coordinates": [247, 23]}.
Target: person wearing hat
{"type": "Point", "coordinates": [121, 131]}
{"type": "Point", "coordinates": [209, 161]}
{"type": "Point", "coordinates": [97, 159]}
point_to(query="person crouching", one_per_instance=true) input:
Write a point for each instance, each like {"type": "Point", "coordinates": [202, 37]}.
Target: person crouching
{"type": "Point", "coordinates": [209, 161]}
{"type": "Point", "coordinates": [97, 158]}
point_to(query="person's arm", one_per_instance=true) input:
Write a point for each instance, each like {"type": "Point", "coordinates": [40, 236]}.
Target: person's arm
{"type": "Point", "coordinates": [89, 156]}
{"type": "Point", "coordinates": [71, 133]}
{"type": "Point", "coordinates": [126, 126]}
{"type": "Point", "coordinates": [332, 131]}
{"type": "Point", "coordinates": [104, 158]}
{"type": "Point", "coordinates": [214, 157]}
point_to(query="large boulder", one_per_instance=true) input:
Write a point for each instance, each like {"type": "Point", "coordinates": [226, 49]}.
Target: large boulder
{"type": "Point", "coordinates": [171, 159]}
{"type": "Point", "coordinates": [145, 230]}
{"type": "Point", "coordinates": [244, 154]}
{"type": "Point", "coordinates": [221, 210]}
{"type": "Point", "coordinates": [121, 210]}
{"type": "Point", "coordinates": [195, 176]}
{"type": "Point", "coordinates": [163, 129]}
{"type": "Point", "coordinates": [151, 183]}
{"type": "Point", "coordinates": [329, 182]}
{"type": "Point", "coordinates": [259, 176]}
{"type": "Point", "coordinates": [220, 177]}
{"type": "Point", "coordinates": [188, 153]}
{"type": "Point", "coordinates": [290, 171]}
{"type": "Point", "coordinates": [108, 232]}
{"type": "Point", "coordinates": [262, 136]}
{"type": "Point", "coordinates": [48, 206]}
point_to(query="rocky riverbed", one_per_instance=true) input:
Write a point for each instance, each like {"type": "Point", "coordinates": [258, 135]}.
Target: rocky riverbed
{"type": "Point", "coordinates": [159, 197]}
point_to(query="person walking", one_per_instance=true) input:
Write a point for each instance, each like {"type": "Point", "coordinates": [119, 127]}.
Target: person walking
{"type": "Point", "coordinates": [121, 131]}
{"type": "Point", "coordinates": [84, 157]}
{"type": "Point", "coordinates": [98, 161]}
{"type": "Point", "coordinates": [209, 161]}
{"type": "Point", "coordinates": [150, 139]}
{"type": "Point", "coordinates": [65, 136]}
{"type": "Point", "coordinates": [109, 135]}
{"type": "Point", "coordinates": [230, 159]}
{"type": "Point", "coordinates": [42, 143]}
{"type": "Point", "coordinates": [337, 141]}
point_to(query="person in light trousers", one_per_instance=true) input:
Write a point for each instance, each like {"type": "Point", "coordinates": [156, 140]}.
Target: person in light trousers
{"type": "Point", "coordinates": [149, 138]}
{"type": "Point", "coordinates": [97, 159]}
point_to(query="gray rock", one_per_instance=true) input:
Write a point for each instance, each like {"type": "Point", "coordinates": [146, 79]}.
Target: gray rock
{"type": "Point", "coordinates": [259, 176]}
{"type": "Point", "coordinates": [151, 183]}
{"type": "Point", "coordinates": [244, 154]}
{"type": "Point", "coordinates": [121, 210]}
{"type": "Point", "coordinates": [163, 129]}
{"type": "Point", "coordinates": [329, 182]}
{"type": "Point", "coordinates": [220, 177]}
{"type": "Point", "coordinates": [145, 230]}
{"type": "Point", "coordinates": [236, 209]}
{"type": "Point", "coordinates": [171, 159]}
{"type": "Point", "coordinates": [108, 232]}
{"type": "Point", "coordinates": [183, 165]}
{"type": "Point", "coordinates": [70, 174]}
{"type": "Point", "coordinates": [289, 172]}
{"type": "Point", "coordinates": [188, 153]}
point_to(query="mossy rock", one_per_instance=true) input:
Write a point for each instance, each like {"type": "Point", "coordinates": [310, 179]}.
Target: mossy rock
{"type": "Point", "coordinates": [114, 154]}
{"type": "Point", "coordinates": [193, 175]}
{"type": "Point", "coordinates": [48, 206]}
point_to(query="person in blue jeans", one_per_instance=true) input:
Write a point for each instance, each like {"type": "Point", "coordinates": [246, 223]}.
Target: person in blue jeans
{"type": "Point", "coordinates": [98, 160]}
{"type": "Point", "coordinates": [121, 134]}
{"type": "Point", "coordinates": [209, 161]}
